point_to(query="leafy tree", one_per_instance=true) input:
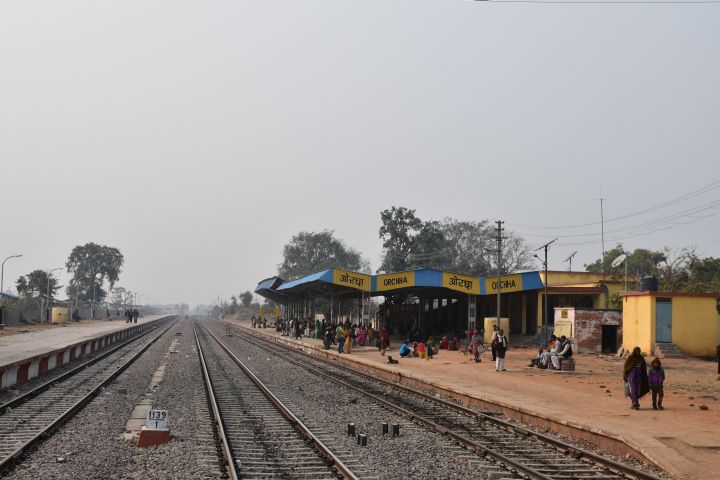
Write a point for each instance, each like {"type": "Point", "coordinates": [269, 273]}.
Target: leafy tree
{"type": "Point", "coordinates": [92, 265]}
{"type": "Point", "coordinates": [246, 298]}
{"type": "Point", "coordinates": [35, 284]}
{"type": "Point", "coordinates": [641, 261]}
{"type": "Point", "coordinates": [309, 252]}
{"type": "Point", "coordinates": [398, 229]}
{"type": "Point", "coordinates": [705, 274]}
{"type": "Point", "coordinates": [33, 288]}
{"type": "Point", "coordinates": [450, 244]}
{"type": "Point", "coordinates": [676, 270]}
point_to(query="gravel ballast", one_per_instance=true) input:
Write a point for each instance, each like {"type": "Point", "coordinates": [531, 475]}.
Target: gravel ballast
{"type": "Point", "coordinates": [92, 445]}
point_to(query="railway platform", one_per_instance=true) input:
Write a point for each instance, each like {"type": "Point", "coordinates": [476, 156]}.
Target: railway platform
{"type": "Point", "coordinates": [25, 355]}
{"type": "Point", "coordinates": [588, 403]}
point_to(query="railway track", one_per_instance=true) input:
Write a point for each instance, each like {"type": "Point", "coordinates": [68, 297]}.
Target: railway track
{"type": "Point", "coordinates": [521, 452]}
{"type": "Point", "coordinates": [28, 418]}
{"type": "Point", "coordinates": [260, 436]}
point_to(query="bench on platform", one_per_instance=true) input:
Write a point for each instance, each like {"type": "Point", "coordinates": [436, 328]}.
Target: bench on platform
{"type": "Point", "coordinates": [566, 364]}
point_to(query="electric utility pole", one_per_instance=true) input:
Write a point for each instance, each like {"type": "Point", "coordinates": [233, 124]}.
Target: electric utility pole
{"type": "Point", "coordinates": [545, 287]}
{"type": "Point", "coordinates": [499, 239]}
{"type": "Point", "coordinates": [602, 233]}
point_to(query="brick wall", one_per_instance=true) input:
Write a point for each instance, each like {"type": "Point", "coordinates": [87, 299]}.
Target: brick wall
{"type": "Point", "coordinates": [588, 328]}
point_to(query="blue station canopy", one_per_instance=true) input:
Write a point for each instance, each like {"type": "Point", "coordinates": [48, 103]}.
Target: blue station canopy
{"type": "Point", "coordinates": [268, 289]}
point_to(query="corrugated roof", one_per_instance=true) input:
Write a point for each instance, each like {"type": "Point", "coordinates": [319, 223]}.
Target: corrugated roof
{"type": "Point", "coordinates": [324, 276]}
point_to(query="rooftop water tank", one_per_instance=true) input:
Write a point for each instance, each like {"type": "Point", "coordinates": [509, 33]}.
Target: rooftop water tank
{"type": "Point", "coordinates": [648, 284]}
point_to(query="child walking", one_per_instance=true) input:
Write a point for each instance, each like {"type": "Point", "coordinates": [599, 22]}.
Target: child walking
{"type": "Point", "coordinates": [656, 377]}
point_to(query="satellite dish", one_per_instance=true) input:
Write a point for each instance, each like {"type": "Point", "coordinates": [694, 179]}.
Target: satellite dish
{"type": "Point", "coordinates": [618, 261]}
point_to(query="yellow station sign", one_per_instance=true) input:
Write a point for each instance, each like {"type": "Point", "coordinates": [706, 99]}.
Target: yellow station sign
{"type": "Point", "coordinates": [508, 283]}
{"type": "Point", "coordinates": [394, 281]}
{"type": "Point", "coordinates": [461, 283]}
{"type": "Point", "coordinates": [346, 278]}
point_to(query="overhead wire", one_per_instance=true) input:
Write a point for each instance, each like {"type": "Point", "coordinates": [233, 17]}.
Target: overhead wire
{"type": "Point", "coordinates": [606, 2]}
{"type": "Point", "coordinates": [681, 198]}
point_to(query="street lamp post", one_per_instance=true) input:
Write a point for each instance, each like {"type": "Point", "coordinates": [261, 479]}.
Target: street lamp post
{"type": "Point", "coordinates": [545, 287]}
{"type": "Point", "coordinates": [49, 273]}
{"type": "Point", "coordinates": [2, 285]}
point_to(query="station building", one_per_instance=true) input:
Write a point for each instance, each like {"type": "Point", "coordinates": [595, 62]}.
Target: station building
{"type": "Point", "coordinates": [663, 323]}
{"type": "Point", "coordinates": [435, 301]}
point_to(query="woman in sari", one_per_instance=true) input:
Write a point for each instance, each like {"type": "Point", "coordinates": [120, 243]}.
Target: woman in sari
{"type": "Point", "coordinates": [360, 334]}
{"type": "Point", "coordinates": [635, 374]}
{"type": "Point", "coordinates": [349, 337]}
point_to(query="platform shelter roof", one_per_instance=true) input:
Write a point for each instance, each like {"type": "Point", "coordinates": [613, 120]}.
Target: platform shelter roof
{"type": "Point", "coordinates": [514, 282]}
{"type": "Point", "coordinates": [425, 282]}
{"type": "Point", "coordinates": [268, 288]}
{"type": "Point", "coordinates": [332, 281]}
{"type": "Point", "coordinates": [431, 282]}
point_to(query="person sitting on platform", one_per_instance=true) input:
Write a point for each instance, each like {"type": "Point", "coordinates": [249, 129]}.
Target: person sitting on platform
{"type": "Point", "coordinates": [552, 350]}
{"type": "Point", "coordinates": [405, 350]}
{"type": "Point", "coordinates": [444, 343]}
{"type": "Point", "coordinates": [455, 344]}
{"type": "Point", "coordinates": [537, 359]}
{"type": "Point", "coordinates": [565, 351]}
{"type": "Point", "coordinates": [415, 350]}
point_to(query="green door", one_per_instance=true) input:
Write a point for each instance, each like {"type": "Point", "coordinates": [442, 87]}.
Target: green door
{"type": "Point", "coordinates": [663, 320]}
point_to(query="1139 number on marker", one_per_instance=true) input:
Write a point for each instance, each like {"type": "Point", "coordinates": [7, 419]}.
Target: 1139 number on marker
{"type": "Point", "coordinates": [156, 419]}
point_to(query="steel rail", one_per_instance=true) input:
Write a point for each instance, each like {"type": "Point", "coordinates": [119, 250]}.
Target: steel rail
{"type": "Point", "coordinates": [30, 394]}
{"type": "Point", "coordinates": [232, 471]}
{"type": "Point", "coordinates": [326, 452]}
{"type": "Point", "coordinates": [15, 456]}
{"type": "Point", "coordinates": [568, 449]}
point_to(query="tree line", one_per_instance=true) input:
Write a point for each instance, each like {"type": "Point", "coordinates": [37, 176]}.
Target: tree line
{"type": "Point", "coordinates": [680, 270]}
{"type": "Point", "coordinates": [91, 266]}
{"type": "Point", "coordinates": [410, 242]}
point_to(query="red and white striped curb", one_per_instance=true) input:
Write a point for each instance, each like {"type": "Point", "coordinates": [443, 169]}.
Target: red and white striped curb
{"type": "Point", "coordinates": [28, 368]}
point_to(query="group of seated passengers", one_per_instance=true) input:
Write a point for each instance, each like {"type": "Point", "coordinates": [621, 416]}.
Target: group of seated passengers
{"type": "Point", "coordinates": [446, 344]}
{"type": "Point", "coordinates": [418, 349]}
{"type": "Point", "coordinates": [557, 349]}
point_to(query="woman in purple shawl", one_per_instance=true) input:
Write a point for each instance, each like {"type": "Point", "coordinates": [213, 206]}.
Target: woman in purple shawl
{"type": "Point", "coordinates": [635, 374]}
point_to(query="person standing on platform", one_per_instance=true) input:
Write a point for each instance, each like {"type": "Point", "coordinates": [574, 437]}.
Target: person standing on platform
{"type": "Point", "coordinates": [656, 378]}
{"type": "Point", "coordinates": [349, 338]}
{"type": "Point", "coordinates": [135, 315]}
{"type": "Point", "coordinates": [501, 345]}
{"type": "Point", "coordinates": [328, 340]}
{"type": "Point", "coordinates": [384, 341]}
{"type": "Point", "coordinates": [635, 374]}
{"type": "Point", "coordinates": [340, 332]}
{"type": "Point", "coordinates": [492, 342]}
{"type": "Point", "coordinates": [476, 345]}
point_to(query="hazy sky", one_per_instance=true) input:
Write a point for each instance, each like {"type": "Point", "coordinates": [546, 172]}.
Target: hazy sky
{"type": "Point", "coordinates": [198, 137]}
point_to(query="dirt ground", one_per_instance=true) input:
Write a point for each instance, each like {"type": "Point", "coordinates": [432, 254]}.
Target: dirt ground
{"type": "Point", "coordinates": [684, 438]}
